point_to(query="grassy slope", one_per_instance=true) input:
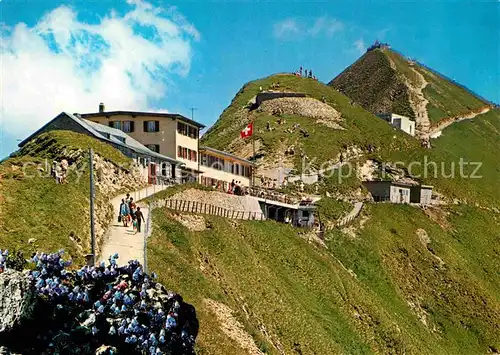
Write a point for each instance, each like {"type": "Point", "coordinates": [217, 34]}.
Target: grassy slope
{"type": "Point", "coordinates": [481, 135]}
{"type": "Point", "coordinates": [375, 85]}
{"type": "Point", "coordinates": [473, 140]}
{"type": "Point", "coordinates": [370, 81]}
{"type": "Point", "coordinates": [34, 206]}
{"type": "Point", "coordinates": [324, 143]}
{"type": "Point", "coordinates": [306, 300]}
{"type": "Point", "coordinates": [445, 98]}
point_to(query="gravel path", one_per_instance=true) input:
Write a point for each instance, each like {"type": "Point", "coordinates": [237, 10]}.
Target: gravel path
{"type": "Point", "coordinates": [353, 214]}
{"type": "Point", "coordinates": [436, 131]}
{"type": "Point", "coordinates": [122, 240]}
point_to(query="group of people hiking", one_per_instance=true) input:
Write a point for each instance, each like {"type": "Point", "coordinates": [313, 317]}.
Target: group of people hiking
{"type": "Point", "coordinates": [130, 213]}
{"type": "Point", "coordinates": [306, 73]}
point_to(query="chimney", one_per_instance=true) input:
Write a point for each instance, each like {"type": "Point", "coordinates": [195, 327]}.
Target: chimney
{"type": "Point", "coordinates": [101, 107]}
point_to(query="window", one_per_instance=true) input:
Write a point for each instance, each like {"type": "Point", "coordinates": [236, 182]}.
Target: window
{"type": "Point", "coordinates": [187, 130]}
{"type": "Point", "coordinates": [125, 126]}
{"type": "Point", "coordinates": [121, 139]}
{"type": "Point", "coordinates": [128, 126]}
{"type": "Point", "coordinates": [165, 171]}
{"type": "Point", "coordinates": [193, 156]}
{"type": "Point", "coordinates": [185, 153]}
{"type": "Point", "coordinates": [151, 126]}
{"type": "Point", "coordinates": [182, 128]}
{"type": "Point", "coordinates": [115, 124]}
{"type": "Point", "coordinates": [153, 147]}
{"type": "Point", "coordinates": [192, 132]}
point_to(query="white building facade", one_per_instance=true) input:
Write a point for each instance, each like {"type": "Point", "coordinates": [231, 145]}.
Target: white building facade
{"type": "Point", "coordinates": [400, 122]}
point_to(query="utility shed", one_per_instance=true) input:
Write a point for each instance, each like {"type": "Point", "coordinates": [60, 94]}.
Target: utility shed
{"type": "Point", "coordinates": [401, 122]}
{"type": "Point", "coordinates": [305, 216]}
{"type": "Point", "coordinates": [421, 194]}
{"type": "Point", "coordinates": [391, 191]}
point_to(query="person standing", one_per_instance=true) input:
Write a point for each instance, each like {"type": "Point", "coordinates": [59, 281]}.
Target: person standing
{"type": "Point", "coordinates": [64, 171]}
{"type": "Point", "coordinates": [140, 218]}
{"type": "Point", "coordinates": [124, 213]}
{"type": "Point", "coordinates": [131, 206]}
{"type": "Point", "coordinates": [59, 174]}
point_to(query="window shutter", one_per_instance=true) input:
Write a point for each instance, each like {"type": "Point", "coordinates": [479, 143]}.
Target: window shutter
{"type": "Point", "coordinates": [157, 126]}
{"type": "Point", "coordinates": [132, 126]}
{"type": "Point", "coordinates": [145, 126]}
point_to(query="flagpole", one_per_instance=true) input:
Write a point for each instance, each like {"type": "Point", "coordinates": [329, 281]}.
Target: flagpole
{"type": "Point", "coordinates": [254, 158]}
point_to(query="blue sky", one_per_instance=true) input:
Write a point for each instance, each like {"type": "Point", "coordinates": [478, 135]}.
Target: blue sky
{"type": "Point", "coordinates": [177, 55]}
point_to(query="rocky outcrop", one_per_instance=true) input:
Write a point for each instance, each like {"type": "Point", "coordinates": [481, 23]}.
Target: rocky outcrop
{"type": "Point", "coordinates": [94, 310]}
{"type": "Point", "coordinates": [301, 106]}
{"type": "Point", "coordinates": [17, 300]}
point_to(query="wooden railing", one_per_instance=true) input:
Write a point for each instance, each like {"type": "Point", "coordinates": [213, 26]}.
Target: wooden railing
{"type": "Point", "coordinates": [207, 208]}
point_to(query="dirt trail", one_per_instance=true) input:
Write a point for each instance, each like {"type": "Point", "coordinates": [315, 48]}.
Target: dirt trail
{"type": "Point", "coordinates": [232, 328]}
{"type": "Point", "coordinates": [448, 122]}
{"type": "Point", "coordinates": [417, 100]}
{"type": "Point", "coordinates": [419, 104]}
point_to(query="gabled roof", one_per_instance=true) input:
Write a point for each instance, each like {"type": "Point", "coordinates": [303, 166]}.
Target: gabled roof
{"type": "Point", "coordinates": [146, 114]}
{"type": "Point", "coordinates": [229, 155]}
{"type": "Point", "coordinates": [105, 133]}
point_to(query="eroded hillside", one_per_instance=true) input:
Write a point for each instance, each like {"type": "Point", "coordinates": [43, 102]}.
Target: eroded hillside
{"type": "Point", "coordinates": [383, 80]}
{"type": "Point", "coordinates": [400, 280]}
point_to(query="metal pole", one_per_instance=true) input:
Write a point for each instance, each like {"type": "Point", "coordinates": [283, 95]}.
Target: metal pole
{"type": "Point", "coordinates": [254, 159]}
{"type": "Point", "coordinates": [146, 234]}
{"type": "Point", "coordinates": [92, 227]}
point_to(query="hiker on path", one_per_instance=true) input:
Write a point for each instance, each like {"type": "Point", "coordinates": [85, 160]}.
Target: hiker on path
{"type": "Point", "coordinates": [134, 222]}
{"type": "Point", "coordinates": [131, 206]}
{"type": "Point", "coordinates": [124, 212]}
{"type": "Point", "coordinates": [140, 218]}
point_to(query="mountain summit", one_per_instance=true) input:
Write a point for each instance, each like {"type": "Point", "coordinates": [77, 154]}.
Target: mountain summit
{"type": "Point", "coordinates": [383, 80]}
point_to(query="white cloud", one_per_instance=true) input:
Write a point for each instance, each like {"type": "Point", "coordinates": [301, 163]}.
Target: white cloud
{"type": "Point", "coordinates": [65, 64]}
{"type": "Point", "coordinates": [285, 28]}
{"type": "Point", "coordinates": [360, 46]}
{"type": "Point", "coordinates": [322, 26]}
{"type": "Point", "coordinates": [326, 25]}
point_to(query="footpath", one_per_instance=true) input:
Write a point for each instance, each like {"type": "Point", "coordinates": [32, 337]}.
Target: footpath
{"type": "Point", "coordinates": [353, 214]}
{"type": "Point", "coordinates": [123, 240]}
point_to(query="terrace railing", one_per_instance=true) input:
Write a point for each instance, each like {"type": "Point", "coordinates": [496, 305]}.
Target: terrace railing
{"type": "Point", "coordinates": [210, 209]}
{"type": "Point", "coordinates": [272, 196]}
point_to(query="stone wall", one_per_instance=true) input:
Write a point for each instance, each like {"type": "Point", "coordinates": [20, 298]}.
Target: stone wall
{"type": "Point", "coordinates": [305, 106]}
{"type": "Point", "coordinates": [247, 204]}
{"type": "Point", "coordinates": [264, 96]}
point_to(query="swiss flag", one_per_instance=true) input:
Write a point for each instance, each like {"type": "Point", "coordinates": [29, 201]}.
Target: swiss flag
{"type": "Point", "coordinates": [248, 131]}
